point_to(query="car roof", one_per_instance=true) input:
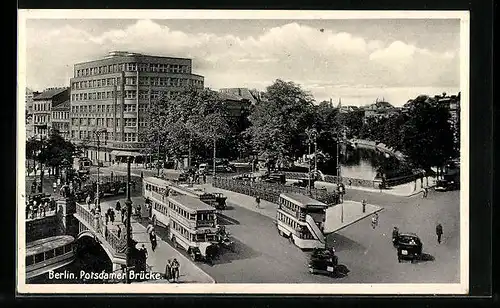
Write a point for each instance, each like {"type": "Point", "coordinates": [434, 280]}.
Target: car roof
{"type": "Point", "coordinates": [410, 234]}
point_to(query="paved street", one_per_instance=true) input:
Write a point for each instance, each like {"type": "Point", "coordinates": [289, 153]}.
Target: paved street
{"type": "Point", "coordinates": [261, 255]}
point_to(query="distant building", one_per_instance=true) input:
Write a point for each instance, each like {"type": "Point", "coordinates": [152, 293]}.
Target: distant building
{"type": "Point", "coordinates": [113, 95]}
{"type": "Point", "coordinates": [242, 93]}
{"type": "Point", "coordinates": [347, 109]}
{"type": "Point", "coordinates": [60, 119]}
{"type": "Point", "coordinates": [43, 104]}
{"type": "Point", "coordinates": [29, 111]}
{"type": "Point", "coordinates": [238, 100]}
{"type": "Point", "coordinates": [380, 109]}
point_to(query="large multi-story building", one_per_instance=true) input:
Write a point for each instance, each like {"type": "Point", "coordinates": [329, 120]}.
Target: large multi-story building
{"type": "Point", "coordinates": [112, 95]}
{"type": "Point", "coordinates": [29, 111]}
{"type": "Point", "coordinates": [379, 109]}
{"type": "Point", "coordinates": [43, 104]}
{"type": "Point", "coordinates": [60, 119]}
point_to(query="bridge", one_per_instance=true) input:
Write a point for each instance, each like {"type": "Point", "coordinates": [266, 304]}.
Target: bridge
{"type": "Point", "coordinates": [93, 225]}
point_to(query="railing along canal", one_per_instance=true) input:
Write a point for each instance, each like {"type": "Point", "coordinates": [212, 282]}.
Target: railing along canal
{"type": "Point", "coordinates": [271, 191]}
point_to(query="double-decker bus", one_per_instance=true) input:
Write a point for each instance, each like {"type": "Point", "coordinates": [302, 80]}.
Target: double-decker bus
{"type": "Point", "coordinates": [190, 222]}
{"type": "Point", "coordinates": [301, 219]}
{"type": "Point", "coordinates": [48, 254]}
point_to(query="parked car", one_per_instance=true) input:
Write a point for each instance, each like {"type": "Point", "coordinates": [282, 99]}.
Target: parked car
{"type": "Point", "coordinates": [409, 247]}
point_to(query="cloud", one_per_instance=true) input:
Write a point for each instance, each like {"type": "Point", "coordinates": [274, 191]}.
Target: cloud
{"type": "Point", "coordinates": [292, 52]}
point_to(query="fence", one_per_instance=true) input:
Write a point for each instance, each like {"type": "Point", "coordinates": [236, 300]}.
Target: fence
{"type": "Point", "coordinates": [271, 191]}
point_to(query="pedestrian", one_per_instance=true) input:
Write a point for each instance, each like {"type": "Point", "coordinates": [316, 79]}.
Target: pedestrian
{"type": "Point", "coordinates": [124, 213]}
{"type": "Point", "coordinates": [54, 187]}
{"type": "Point", "coordinates": [106, 228]}
{"type": "Point", "coordinates": [152, 238]}
{"type": "Point", "coordinates": [144, 251]}
{"type": "Point", "coordinates": [119, 231]}
{"type": "Point", "coordinates": [106, 216]}
{"type": "Point", "coordinates": [168, 270]}
{"type": "Point", "coordinates": [364, 205]}
{"type": "Point", "coordinates": [58, 182]}
{"type": "Point", "coordinates": [45, 207]}
{"type": "Point", "coordinates": [257, 202]}
{"type": "Point", "coordinates": [350, 182]}
{"type": "Point", "coordinates": [112, 215]}
{"type": "Point", "coordinates": [439, 232]}
{"type": "Point", "coordinates": [176, 269]}
{"type": "Point", "coordinates": [426, 192]}
{"type": "Point", "coordinates": [87, 200]}
{"type": "Point", "coordinates": [142, 175]}
{"type": "Point", "coordinates": [118, 206]}
{"type": "Point", "coordinates": [374, 221]}
{"type": "Point", "coordinates": [395, 235]}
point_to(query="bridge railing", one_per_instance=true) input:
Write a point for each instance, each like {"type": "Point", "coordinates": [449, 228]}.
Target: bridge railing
{"type": "Point", "coordinates": [97, 225]}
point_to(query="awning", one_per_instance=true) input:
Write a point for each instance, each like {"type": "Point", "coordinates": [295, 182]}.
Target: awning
{"type": "Point", "coordinates": [125, 153]}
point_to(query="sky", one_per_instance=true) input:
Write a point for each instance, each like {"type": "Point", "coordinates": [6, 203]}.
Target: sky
{"type": "Point", "coordinates": [356, 61]}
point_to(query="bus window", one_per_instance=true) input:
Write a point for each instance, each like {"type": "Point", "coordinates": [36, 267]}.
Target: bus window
{"type": "Point", "coordinates": [192, 216]}
{"type": "Point", "coordinates": [49, 254]}
{"type": "Point", "coordinates": [200, 237]}
{"type": "Point", "coordinates": [59, 251]}
{"type": "Point", "coordinates": [30, 260]}
{"type": "Point", "coordinates": [39, 258]}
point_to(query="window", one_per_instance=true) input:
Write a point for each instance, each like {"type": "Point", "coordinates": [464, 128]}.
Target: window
{"type": "Point", "coordinates": [130, 122]}
{"type": "Point", "coordinates": [49, 254]}
{"type": "Point", "coordinates": [129, 108]}
{"type": "Point", "coordinates": [130, 80]}
{"type": "Point", "coordinates": [130, 94]}
{"type": "Point", "coordinates": [39, 258]}
{"type": "Point", "coordinates": [143, 81]}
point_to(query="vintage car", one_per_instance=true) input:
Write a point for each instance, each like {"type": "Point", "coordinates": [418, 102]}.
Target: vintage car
{"type": "Point", "coordinates": [409, 247]}
{"type": "Point", "coordinates": [220, 201]}
{"type": "Point", "coordinates": [445, 185]}
{"type": "Point", "coordinates": [323, 261]}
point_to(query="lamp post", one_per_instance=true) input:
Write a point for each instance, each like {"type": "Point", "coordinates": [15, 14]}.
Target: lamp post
{"type": "Point", "coordinates": [128, 203]}
{"type": "Point", "coordinates": [214, 156]}
{"type": "Point", "coordinates": [98, 135]}
{"type": "Point", "coordinates": [158, 156]}
{"type": "Point", "coordinates": [311, 135]}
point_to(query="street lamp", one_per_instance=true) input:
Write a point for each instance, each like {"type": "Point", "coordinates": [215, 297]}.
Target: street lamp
{"type": "Point", "coordinates": [128, 203]}
{"type": "Point", "coordinates": [312, 134]}
{"type": "Point", "coordinates": [98, 135]}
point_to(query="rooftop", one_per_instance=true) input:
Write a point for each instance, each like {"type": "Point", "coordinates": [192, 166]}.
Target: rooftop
{"type": "Point", "coordinates": [50, 93]}
{"type": "Point", "coordinates": [237, 94]}
{"type": "Point", "coordinates": [62, 106]}
{"type": "Point", "coordinates": [191, 203]}
{"type": "Point", "coordinates": [305, 200]}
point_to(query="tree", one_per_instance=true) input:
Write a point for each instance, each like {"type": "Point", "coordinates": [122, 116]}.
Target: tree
{"type": "Point", "coordinates": [55, 150]}
{"type": "Point", "coordinates": [353, 121]}
{"type": "Point", "coordinates": [279, 121]}
{"type": "Point", "coordinates": [186, 121]}
{"type": "Point", "coordinates": [427, 137]}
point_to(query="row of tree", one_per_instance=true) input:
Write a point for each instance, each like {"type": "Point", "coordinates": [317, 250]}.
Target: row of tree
{"type": "Point", "coordinates": [285, 121]}
{"type": "Point", "coordinates": [422, 132]}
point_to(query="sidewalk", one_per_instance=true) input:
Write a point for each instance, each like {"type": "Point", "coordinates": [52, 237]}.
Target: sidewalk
{"type": "Point", "coordinates": [404, 190]}
{"type": "Point", "coordinates": [189, 272]}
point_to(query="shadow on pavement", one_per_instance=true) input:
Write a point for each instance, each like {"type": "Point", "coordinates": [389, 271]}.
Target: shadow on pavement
{"type": "Point", "coordinates": [340, 243]}
{"type": "Point", "coordinates": [425, 257]}
{"type": "Point", "coordinates": [239, 251]}
{"type": "Point", "coordinates": [225, 220]}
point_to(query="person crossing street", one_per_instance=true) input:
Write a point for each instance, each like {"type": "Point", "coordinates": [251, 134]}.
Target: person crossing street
{"type": "Point", "coordinates": [439, 232]}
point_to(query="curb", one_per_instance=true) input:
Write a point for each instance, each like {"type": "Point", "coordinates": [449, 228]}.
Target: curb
{"type": "Point", "coordinates": [185, 259]}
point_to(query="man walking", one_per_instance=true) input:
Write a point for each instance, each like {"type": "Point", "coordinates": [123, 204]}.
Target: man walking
{"type": "Point", "coordinates": [257, 202]}
{"type": "Point", "coordinates": [119, 231]}
{"type": "Point", "coordinates": [168, 270]}
{"type": "Point", "coordinates": [175, 270]}
{"type": "Point", "coordinates": [439, 232]}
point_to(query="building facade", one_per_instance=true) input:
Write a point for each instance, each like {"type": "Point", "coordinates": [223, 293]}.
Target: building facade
{"type": "Point", "coordinates": [113, 95]}
{"type": "Point", "coordinates": [379, 109]}
{"type": "Point", "coordinates": [43, 104]}
{"type": "Point", "coordinates": [29, 111]}
{"type": "Point", "coordinates": [60, 119]}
